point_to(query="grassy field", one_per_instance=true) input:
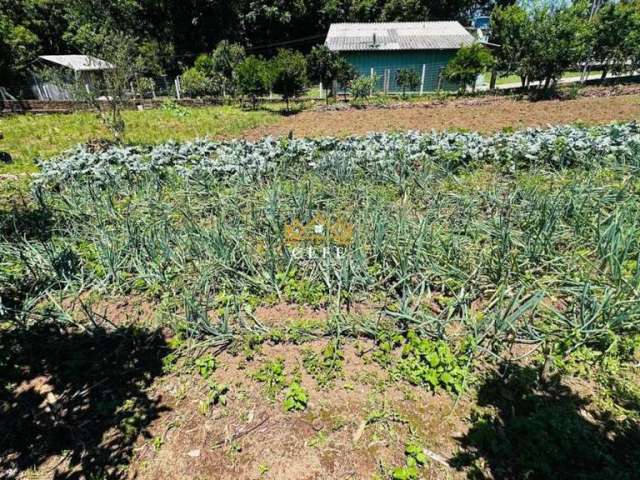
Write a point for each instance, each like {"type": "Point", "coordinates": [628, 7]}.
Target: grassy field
{"type": "Point", "coordinates": [28, 137]}
{"type": "Point", "coordinates": [392, 307]}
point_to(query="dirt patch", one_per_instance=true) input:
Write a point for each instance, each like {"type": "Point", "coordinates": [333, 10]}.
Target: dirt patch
{"type": "Point", "coordinates": [253, 437]}
{"type": "Point", "coordinates": [484, 115]}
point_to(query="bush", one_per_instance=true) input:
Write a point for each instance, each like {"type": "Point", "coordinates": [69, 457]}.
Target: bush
{"type": "Point", "coordinates": [254, 78]}
{"type": "Point", "coordinates": [290, 74]}
{"type": "Point", "coordinates": [363, 87]}
{"type": "Point", "coordinates": [407, 79]}
{"type": "Point", "coordinates": [196, 84]}
{"type": "Point", "coordinates": [468, 63]}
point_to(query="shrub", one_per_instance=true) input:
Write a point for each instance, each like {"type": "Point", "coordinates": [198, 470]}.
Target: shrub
{"type": "Point", "coordinates": [407, 78]}
{"type": "Point", "coordinates": [290, 74]}
{"type": "Point", "coordinates": [196, 84]}
{"type": "Point", "coordinates": [254, 78]}
{"type": "Point", "coordinates": [468, 63]}
{"type": "Point", "coordinates": [363, 87]}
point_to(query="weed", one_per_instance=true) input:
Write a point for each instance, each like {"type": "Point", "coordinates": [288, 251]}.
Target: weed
{"type": "Point", "coordinates": [206, 365]}
{"type": "Point", "coordinates": [431, 363]}
{"type": "Point", "coordinates": [296, 398]}
{"type": "Point", "coordinates": [272, 375]}
{"type": "Point", "coordinates": [415, 458]}
{"type": "Point", "coordinates": [326, 366]}
{"type": "Point", "coordinates": [216, 395]}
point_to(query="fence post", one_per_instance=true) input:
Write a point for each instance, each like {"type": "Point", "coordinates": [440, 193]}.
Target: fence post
{"type": "Point", "coordinates": [387, 74]}
{"type": "Point", "coordinates": [439, 79]}
{"type": "Point", "coordinates": [424, 72]}
{"type": "Point", "coordinates": [177, 84]}
{"type": "Point", "coordinates": [373, 74]}
{"type": "Point", "coordinates": [320, 88]}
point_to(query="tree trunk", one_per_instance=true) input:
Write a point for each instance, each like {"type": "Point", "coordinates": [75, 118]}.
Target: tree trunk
{"type": "Point", "coordinates": [547, 82]}
{"type": "Point", "coordinates": [604, 73]}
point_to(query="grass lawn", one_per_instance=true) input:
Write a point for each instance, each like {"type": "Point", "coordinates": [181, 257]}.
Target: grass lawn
{"type": "Point", "coordinates": [29, 137]}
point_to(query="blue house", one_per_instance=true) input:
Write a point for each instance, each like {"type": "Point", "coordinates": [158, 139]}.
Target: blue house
{"type": "Point", "coordinates": [384, 48]}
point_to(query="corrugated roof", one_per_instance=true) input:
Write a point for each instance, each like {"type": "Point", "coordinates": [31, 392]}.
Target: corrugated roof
{"type": "Point", "coordinates": [397, 36]}
{"type": "Point", "coordinates": [79, 63]}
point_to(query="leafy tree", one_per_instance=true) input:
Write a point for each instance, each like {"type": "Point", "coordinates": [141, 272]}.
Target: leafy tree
{"type": "Point", "coordinates": [510, 27]}
{"type": "Point", "coordinates": [326, 66]}
{"type": "Point", "coordinates": [557, 42]}
{"type": "Point", "coordinates": [18, 47]}
{"type": "Point", "coordinates": [407, 78]}
{"type": "Point", "coordinates": [290, 74]}
{"type": "Point", "coordinates": [468, 63]}
{"type": "Point", "coordinates": [195, 83]}
{"type": "Point", "coordinates": [254, 77]}
{"type": "Point", "coordinates": [615, 40]}
{"type": "Point", "coordinates": [224, 60]}
{"type": "Point", "coordinates": [345, 73]}
{"type": "Point", "coordinates": [362, 87]}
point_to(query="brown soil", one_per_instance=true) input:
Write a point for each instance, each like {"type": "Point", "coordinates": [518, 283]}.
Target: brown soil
{"type": "Point", "coordinates": [485, 115]}
{"type": "Point", "coordinates": [253, 437]}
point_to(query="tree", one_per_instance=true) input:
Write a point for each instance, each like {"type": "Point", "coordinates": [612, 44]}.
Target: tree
{"type": "Point", "coordinates": [18, 47]}
{"type": "Point", "coordinates": [326, 66]}
{"type": "Point", "coordinates": [468, 63]}
{"type": "Point", "coordinates": [362, 87]}
{"type": "Point", "coordinates": [616, 28]}
{"type": "Point", "coordinates": [510, 28]}
{"type": "Point", "coordinates": [345, 73]}
{"type": "Point", "coordinates": [224, 60]}
{"type": "Point", "coordinates": [254, 78]}
{"type": "Point", "coordinates": [407, 78]}
{"type": "Point", "coordinates": [290, 74]}
{"type": "Point", "coordinates": [196, 84]}
{"type": "Point", "coordinates": [557, 42]}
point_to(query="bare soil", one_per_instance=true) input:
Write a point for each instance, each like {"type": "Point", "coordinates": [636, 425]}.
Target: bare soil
{"type": "Point", "coordinates": [486, 114]}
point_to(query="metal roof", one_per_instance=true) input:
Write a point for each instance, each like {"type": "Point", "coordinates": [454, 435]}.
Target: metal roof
{"type": "Point", "coordinates": [397, 36]}
{"type": "Point", "coordinates": [78, 63]}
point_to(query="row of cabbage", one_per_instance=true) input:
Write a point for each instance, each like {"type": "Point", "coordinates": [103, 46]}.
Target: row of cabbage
{"type": "Point", "coordinates": [553, 147]}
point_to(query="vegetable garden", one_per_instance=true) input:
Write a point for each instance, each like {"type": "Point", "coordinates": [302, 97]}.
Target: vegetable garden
{"type": "Point", "coordinates": [448, 251]}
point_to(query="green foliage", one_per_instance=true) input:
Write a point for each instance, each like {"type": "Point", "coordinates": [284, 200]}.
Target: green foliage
{"type": "Point", "coordinates": [195, 83]}
{"type": "Point", "coordinates": [174, 108]}
{"type": "Point", "coordinates": [541, 42]}
{"type": "Point", "coordinates": [224, 61]}
{"type": "Point", "coordinates": [407, 79]}
{"type": "Point", "coordinates": [363, 87]}
{"type": "Point", "coordinates": [431, 363]}
{"type": "Point", "coordinates": [206, 365]}
{"type": "Point", "coordinates": [216, 395]}
{"type": "Point", "coordinates": [254, 77]}
{"type": "Point", "coordinates": [387, 340]}
{"type": "Point", "coordinates": [415, 458]}
{"type": "Point", "coordinates": [615, 37]}
{"type": "Point", "coordinates": [290, 74]}
{"type": "Point", "coordinates": [467, 64]}
{"type": "Point", "coordinates": [272, 375]}
{"type": "Point", "coordinates": [327, 366]}
{"type": "Point", "coordinates": [326, 66]}
{"type": "Point", "coordinates": [301, 291]}
{"type": "Point", "coordinates": [296, 398]}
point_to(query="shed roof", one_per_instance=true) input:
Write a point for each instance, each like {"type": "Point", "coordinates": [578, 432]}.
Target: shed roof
{"type": "Point", "coordinates": [78, 63]}
{"type": "Point", "coordinates": [397, 36]}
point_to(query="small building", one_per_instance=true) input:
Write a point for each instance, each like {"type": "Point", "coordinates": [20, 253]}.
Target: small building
{"type": "Point", "coordinates": [384, 48]}
{"type": "Point", "coordinates": [84, 69]}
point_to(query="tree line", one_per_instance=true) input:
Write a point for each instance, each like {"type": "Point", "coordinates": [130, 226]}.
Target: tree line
{"type": "Point", "coordinates": [541, 42]}
{"type": "Point", "coordinates": [171, 33]}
